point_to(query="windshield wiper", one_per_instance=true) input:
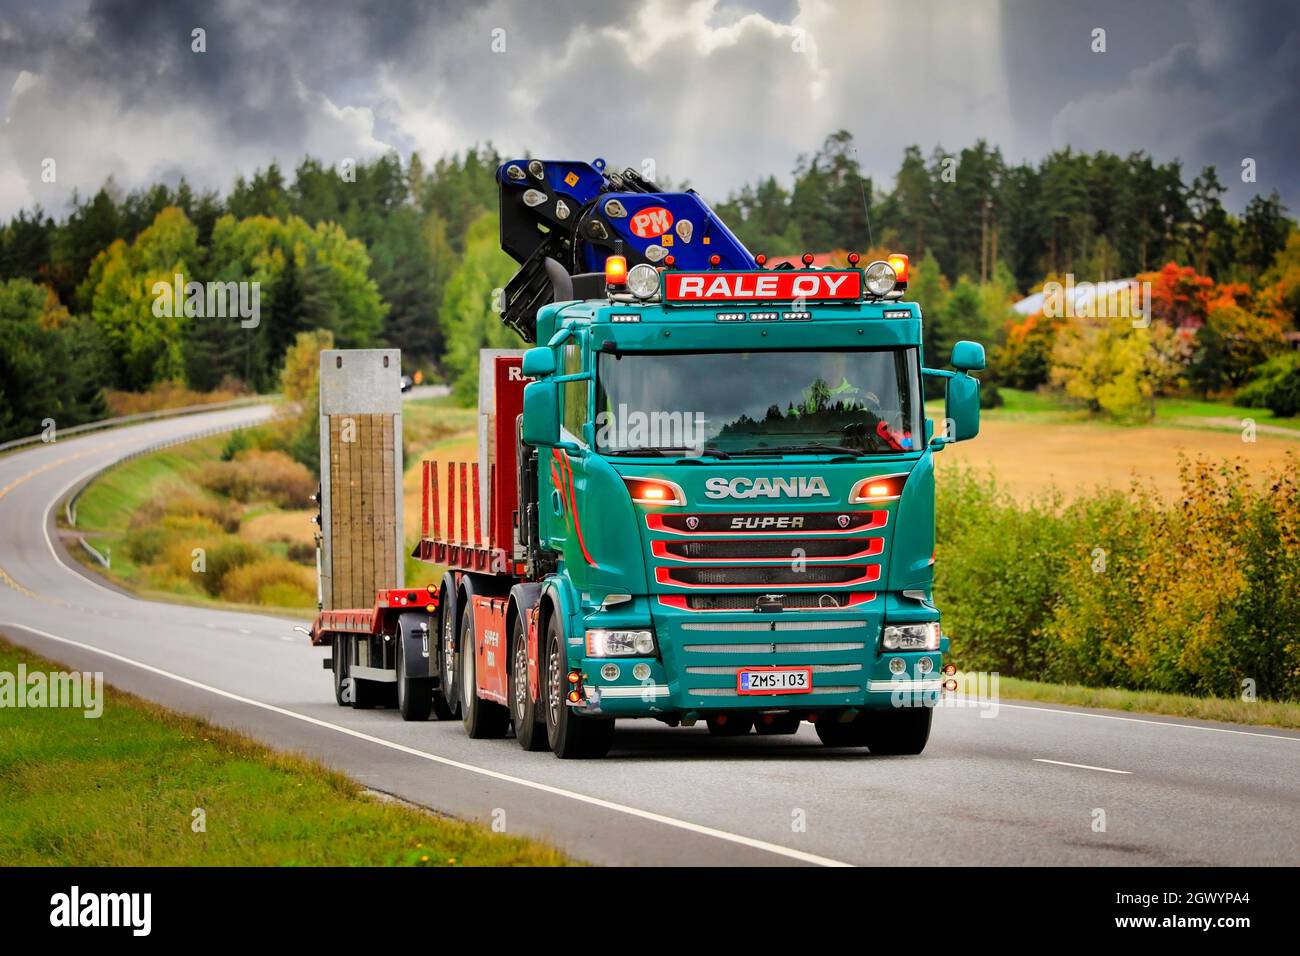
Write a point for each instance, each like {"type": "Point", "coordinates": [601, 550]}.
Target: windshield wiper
{"type": "Point", "coordinates": [813, 448]}
{"type": "Point", "coordinates": [669, 450]}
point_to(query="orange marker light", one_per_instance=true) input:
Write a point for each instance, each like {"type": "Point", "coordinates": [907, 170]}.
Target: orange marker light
{"type": "Point", "coordinates": [616, 270]}
{"type": "Point", "coordinates": [878, 491]}
{"type": "Point", "coordinates": [715, 259]}
{"type": "Point", "coordinates": [648, 491]}
{"type": "Point", "coordinates": [854, 258]}
{"type": "Point", "coordinates": [807, 258]}
{"type": "Point", "coordinates": [898, 262]}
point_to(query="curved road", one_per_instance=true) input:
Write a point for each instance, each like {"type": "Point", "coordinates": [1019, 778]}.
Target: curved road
{"type": "Point", "coordinates": [1024, 786]}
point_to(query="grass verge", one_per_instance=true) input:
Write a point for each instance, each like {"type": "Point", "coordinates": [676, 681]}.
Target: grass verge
{"type": "Point", "coordinates": [121, 790]}
{"type": "Point", "coordinates": [1264, 713]}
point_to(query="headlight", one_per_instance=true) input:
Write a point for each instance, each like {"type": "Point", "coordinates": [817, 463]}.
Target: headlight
{"type": "Point", "coordinates": [607, 643]}
{"type": "Point", "coordinates": [880, 278]}
{"type": "Point", "coordinates": [911, 637]}
{"type": "Point", "coordinates": [643, 281]}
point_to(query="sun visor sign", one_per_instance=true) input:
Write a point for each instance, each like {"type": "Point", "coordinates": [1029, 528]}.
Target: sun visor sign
{"type": "Point", "coordinates": [785, 286]}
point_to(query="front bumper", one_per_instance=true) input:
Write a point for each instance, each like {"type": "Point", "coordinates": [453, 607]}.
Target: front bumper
{"type": "Point", "coordinates": [699, 676]}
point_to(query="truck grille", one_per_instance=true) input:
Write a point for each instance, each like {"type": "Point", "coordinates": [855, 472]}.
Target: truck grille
{"type": "Point", "coordinates": [745, 602]}
{"type": "Point", "coordinates": [731, 691]}
{"type": "Point", "coordinates": [786, 549]}
{"type": "Point", "coordinates": [780, 575]}
{"type": "Point", "coordinates": [748, 522]}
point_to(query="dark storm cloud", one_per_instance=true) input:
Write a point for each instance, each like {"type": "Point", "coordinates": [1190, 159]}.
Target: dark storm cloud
{"type": "Point", "coordinates": [716, 93]}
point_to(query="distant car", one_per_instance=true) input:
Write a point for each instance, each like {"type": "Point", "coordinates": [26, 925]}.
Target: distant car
{"type": "Point", "coordinates": [407, 382]}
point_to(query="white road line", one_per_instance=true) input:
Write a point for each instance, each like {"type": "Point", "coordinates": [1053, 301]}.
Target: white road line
{"type": "Point", "coordinates": [736, 838]}
{"type": "Point", "coordinates": [1081, 766]}
{"type": "Point", "coordinates": [1134, 719]}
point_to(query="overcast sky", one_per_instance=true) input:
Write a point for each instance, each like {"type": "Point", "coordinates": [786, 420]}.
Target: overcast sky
{"type": "Point", "coordinates": [716, 93]}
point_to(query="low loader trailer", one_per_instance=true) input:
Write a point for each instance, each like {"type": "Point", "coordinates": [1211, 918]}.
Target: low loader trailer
{"type": "Point", "coordinates": [705, 494]}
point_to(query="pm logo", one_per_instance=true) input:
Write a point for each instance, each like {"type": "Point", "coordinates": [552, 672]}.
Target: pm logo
{"type": "Point", "coordinates": [842, 521]}
{"type": "Point", "coordinates": [692, 522]}
{"type": "Point", "coordinates": [651, 222]}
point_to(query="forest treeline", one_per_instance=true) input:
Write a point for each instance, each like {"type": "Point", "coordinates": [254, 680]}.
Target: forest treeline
{"type": "Point", "coordinates": [404, 253]}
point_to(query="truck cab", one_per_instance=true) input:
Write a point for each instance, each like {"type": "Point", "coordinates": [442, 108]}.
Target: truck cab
{"type": "Point", "coordinates": [734, 510]}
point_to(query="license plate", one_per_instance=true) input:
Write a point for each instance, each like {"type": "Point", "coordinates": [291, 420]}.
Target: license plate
{"type": "Point", "coordinates": [774, 680]}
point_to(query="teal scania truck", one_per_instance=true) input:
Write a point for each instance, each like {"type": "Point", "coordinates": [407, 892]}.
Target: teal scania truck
{"type": "Point", "coordinates": [705, 493]}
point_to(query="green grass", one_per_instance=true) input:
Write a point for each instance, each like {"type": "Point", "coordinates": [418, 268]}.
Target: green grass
{"type": "Point", "coordinates": [1266, 713]}
{"type": "Point", "coordinates": [1048, 407]}
{"type": "Point", "coordinates": [120, 790]}
{"type": "Point", "coordinates": [107, 503]}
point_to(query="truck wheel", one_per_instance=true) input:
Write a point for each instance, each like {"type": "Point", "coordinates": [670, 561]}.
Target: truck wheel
{"type": "Point", "coordinates": [836, 733]}
{"type": "Point", "coordinates": [571, 735]}
{"type": "Point", "coordinates": [730, 725]}
{"type": "Point", "coordinates": [483, 718]}
{"type": "Point", "coordinates": [339, 650]}
{"type": "Point", "coordinates": [777, 724]}
{"type": "Point", "coordinates": [529, 731]}
{"type": "Point", "coordinates": [899, 732]}
{"type": "Point", "coordinates": [414, 694]}
{"type": "Point", "coordinates": [450, 660]}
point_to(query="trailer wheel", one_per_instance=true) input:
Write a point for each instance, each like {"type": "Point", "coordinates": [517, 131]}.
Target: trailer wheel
{"type": "Point", "coordinates": [338, 646]}
{"type": "Point", "coordinates": [483, 718]}
{"type": "Point", "coordinates": [414, 694]}
{"type": "Point", "coordinates": [730, 725]}
{"type": "Point", "coordinates": [771, 725]}
{"type": "Point", "coordinates": [449, 662]}
{"type": "Point", "coordinates": [571, 735]}
{"type": "Point", "coordinates": [530, 731]}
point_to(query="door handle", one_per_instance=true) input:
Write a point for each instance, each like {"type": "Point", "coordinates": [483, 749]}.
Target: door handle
{"type": "Point", "coordinates": [557, 504]}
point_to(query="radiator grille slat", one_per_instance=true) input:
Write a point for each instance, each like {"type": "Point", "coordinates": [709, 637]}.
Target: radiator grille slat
{"type": "Point", "coordinates": [802, 647]}
{"type": "Point", "coordinates": [731, 691]}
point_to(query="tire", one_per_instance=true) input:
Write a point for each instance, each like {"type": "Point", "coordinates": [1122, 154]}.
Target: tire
{"type": "Point", "coordinates": [530, 732]}
{"type": "Point", "coordinates": [483, 719]}
{"type": "Point", "coordinates": [835, 733]}
{"type": "Point", "coordinates": [414, 694]}
{"type": "Point", "coordinates": [885, 733]}
{"type": "Point", "coordinates": [730, 725]}
{"type": "Point", "coordinates": [903, 732]}
{"type": "Point", "coordinates": [773, 725]}
{"type": "Point", "coordinates": [570, 735]}
{"type": "Point", "coordinates": [340, 667]}
{"type": "Point", "coordinates": [448, 661]}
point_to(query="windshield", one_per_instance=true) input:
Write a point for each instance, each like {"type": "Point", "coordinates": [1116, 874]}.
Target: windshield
{"type": "Point", "coordinates": [736, 403]}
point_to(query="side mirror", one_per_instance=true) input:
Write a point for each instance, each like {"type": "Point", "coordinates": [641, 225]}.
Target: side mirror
{"type": "Point", "coordinates": [962, 404]}
{"type": "Point", "coordinates": [539, 362]}
{"type": "Point", "coordinates": [966, 356]}
{"type": "Point", "coordinates": [542, 409]}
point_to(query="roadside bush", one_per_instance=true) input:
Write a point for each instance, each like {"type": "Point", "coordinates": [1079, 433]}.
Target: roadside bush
{"type": "Point", "coordinates": [178, 504]}
{"type": "Point", "coordinates": [1276, 386]}
{"type": "Point", "coordinates": [255, 475]}
{"type": "Point", "coordinates": [272, 581]}
{"type": "Point", "coordinates": [226, 557]}
{"type": "Point", "coordinates": [1197, 596]}
{"type": "Point", "coordinates": [301, 552]}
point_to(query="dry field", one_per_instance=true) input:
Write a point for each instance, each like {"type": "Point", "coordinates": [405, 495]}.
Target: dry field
{"type": "Point", "coordinates": [1028, 457]}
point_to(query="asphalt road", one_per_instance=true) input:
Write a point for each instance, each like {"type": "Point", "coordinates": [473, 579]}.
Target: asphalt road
{"type": "Point", "coordinates": [1027, 785]}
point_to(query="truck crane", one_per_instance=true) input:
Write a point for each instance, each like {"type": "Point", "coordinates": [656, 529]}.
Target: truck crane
{"type": "Point", "coordinates": [704, 492]}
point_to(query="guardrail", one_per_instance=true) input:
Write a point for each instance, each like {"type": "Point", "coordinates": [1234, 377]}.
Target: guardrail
{"type": "Point", "coordinates": [70, 506]}
{"type": "Point", "coordinates": [139, 417]}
